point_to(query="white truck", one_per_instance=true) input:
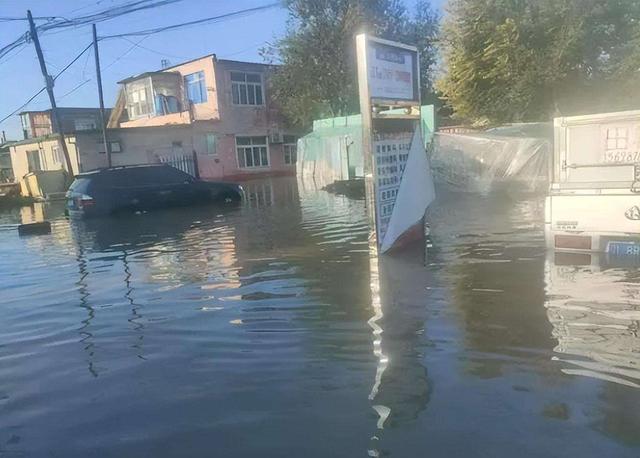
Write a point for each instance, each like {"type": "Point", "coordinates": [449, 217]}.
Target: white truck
{"type": "Point", "coordinates": [594, 194]}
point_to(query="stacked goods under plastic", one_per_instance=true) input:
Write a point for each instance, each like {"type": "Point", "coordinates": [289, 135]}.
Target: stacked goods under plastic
{"type": "Point", "coordinates": [516, 154]}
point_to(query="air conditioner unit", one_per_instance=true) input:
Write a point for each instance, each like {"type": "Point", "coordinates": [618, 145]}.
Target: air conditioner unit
{"type": "Point", "coordinates": [276, 137]}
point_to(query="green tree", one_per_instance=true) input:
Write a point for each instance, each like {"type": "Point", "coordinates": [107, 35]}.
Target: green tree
{"type": "Point", "coordinates": [525, 60]}
{"type": "Point", "coordinates": [317, 74]}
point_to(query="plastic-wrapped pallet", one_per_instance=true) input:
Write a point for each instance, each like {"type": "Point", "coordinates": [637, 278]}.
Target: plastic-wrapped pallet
{"type": "Point", "coordinates": [516, 154]}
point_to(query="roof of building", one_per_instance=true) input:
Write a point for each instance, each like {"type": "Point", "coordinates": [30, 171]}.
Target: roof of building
{"type": "Point", "coordinates": [189, 61]}
{"type": "Point", "coordinates": [98, 131]}
{"type": "Point", "coordinates": [143, 75]}
{"type": "Point", "coordinates": [63, 109]}
{"type": "Point", "coordinates": [164, 70]}
{"type": "Point", "coordinates": [7, 144]}
{"type": "Point", "coordinates": [231, 61]}
{"type": "Point", "coordinates": [39, 139]}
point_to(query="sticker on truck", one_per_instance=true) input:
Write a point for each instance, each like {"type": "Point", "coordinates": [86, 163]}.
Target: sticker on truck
{"type": "Point", "coordinates": [621, 157]}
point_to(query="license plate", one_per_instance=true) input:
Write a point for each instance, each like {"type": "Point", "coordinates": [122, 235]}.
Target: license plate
{"type": "Point", "coordinates": [624, 249]}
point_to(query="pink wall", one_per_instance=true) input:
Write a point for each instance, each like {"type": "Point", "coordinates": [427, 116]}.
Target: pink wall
{"type": "Point", "coordinates": [243, 120]}
{"type": "Point", "coordinates": [224, 165]}
{"type": "Point", "coordinates": [219, 116]}
{"type": "Point", "coordinates": [155, 121]}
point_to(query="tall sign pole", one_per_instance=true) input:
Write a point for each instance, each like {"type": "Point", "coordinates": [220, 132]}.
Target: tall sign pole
{"type": "Point", "coordinates": [367, 136]}
{"type": "Point", "coordinates": [48, 80]}
{"type": "Point", "coordinates": [103, 120]}
{"type": "Point", "coordinates": [398, 181]}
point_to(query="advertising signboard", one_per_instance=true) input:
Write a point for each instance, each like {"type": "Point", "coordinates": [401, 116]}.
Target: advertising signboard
{"type": "Point", "coordinates": [398, 181]}
{"type": "Point", "coordinates": [392, 72]}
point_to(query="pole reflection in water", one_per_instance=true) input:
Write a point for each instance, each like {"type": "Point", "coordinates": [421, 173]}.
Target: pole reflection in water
{"type": "Point", "coordinates": [594, 307]}
{"type": "Point", "coordinates": [86, 336]}
{"type": "Point", "coordinates": [136, 317]}
{"type": "Point", "coordinates": [401, 388]}
{"type": "Point", "coordinates": [382, 411]}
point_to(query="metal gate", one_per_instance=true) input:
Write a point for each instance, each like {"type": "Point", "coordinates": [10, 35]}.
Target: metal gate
{"type": "Point", "coordinates": [183, 162]}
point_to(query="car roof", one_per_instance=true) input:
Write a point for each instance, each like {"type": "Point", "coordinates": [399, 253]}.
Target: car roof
{"type": "Point", "coordinates": [93, 173]}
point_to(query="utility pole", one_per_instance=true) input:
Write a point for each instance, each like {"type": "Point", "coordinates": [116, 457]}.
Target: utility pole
{"type": "Point", "coordinates": [107, 147]}
{"type": "Point", "coordinates": [48, 80]}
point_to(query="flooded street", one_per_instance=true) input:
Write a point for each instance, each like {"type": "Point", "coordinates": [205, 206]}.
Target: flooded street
{"type": "Point", "coordinates": [266, 331]}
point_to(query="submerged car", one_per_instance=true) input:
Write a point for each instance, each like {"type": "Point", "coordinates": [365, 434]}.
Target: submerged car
{"type": "Point", "coordinates": [142, 188]}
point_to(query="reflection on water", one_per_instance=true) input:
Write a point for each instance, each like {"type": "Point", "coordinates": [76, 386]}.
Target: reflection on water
{"type": "Point", "coordinates": [267, 330]}
{"type": "Point", "coordinates": [401, 388]}
{"type": "Point", "coordinates": [594, 306]}
{"type": "Point", "coordinates": [595, 313]}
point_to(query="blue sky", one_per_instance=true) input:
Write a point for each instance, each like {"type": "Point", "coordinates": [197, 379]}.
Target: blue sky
{"type": "Point", "coordinates": [20, 77]}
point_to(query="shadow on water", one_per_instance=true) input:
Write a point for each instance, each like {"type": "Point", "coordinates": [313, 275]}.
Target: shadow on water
{"type": "Point", "coordinates": [266, 330]}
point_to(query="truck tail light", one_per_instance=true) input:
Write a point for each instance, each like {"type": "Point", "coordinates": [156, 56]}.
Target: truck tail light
{"type": "Point", "coordinates": [573, 242]}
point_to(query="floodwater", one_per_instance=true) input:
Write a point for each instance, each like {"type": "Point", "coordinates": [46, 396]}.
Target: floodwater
{"type": "Point", "coordinates": [266, 331]}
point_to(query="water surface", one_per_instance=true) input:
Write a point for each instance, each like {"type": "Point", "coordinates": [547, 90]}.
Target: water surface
{"type": "Point", "coordinates": [267, 331]}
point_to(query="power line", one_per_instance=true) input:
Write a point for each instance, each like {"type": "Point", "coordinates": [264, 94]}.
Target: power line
{"type": "Point", "coordinates": [137, 45]}
{"type": "Point", "coordinates": [75, 89]}
{"type": "Point", "coordinates": [160, 53]}
{"type": "Point", "coordinates": [73, 61]}
{"type": "Point", "coordinates": [214, 19]}
{"type": "Point", "coordinates": [44, 88]}
{"type": "Point", "coordinates": [23, 105]}
{"type": "Point", "coordinates": [235, 53]}
{"type": "Point", "coordinates": [133, 6]}
{"type": "Point", "coordinates": [131, 48]}
{"type": "Point", "coordinates": [37, 18]}
{"type": "Point", "coordinates": [88, 80]}
{"type": "Point", "coordinates": [100, 16]}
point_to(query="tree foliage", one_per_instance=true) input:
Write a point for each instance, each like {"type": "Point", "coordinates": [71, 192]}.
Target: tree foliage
{"type": "Point", "coordinates": [317, 73]}
{"type": "Point", "coordinates": [520, 60]}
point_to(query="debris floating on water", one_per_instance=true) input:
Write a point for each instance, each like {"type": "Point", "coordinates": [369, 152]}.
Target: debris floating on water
{"type": "Point", "coordinates": [40, 228]}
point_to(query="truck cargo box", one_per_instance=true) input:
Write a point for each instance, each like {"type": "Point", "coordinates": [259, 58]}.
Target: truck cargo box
{"type": "Point", "coordinates": [594, 197]}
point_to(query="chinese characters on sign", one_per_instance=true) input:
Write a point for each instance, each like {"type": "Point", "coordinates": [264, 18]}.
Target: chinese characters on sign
{"type": "Point", "coordinates": [391, 152]}
{"type": "Point", "coordinates": [391, 73]}
{"type": "Point", "coordinates": [399, 187]}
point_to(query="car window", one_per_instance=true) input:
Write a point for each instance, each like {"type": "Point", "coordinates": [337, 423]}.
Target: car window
{"type": "Point", "coordinates": [147, 176]}
{"type": "Point", "coordinates": [80, 185]}
{"type": "Point", "coordinates": [172, 175]}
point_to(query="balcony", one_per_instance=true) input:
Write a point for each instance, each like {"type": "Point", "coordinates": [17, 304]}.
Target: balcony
{"type": "Point", "coordinates": [155, 99]}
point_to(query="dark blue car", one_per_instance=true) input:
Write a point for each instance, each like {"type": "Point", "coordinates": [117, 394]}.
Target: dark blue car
{"type": "Point", "coordinates": [143, 188]}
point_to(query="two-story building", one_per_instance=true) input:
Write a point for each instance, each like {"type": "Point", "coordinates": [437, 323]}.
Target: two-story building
{"type": "Point", "coordinates": [39, 123]}
{"type": "Point", "coordinates": [210, 117]}
{"type": "Point", "coordinates": [219, 110]}
{"type": "Point", "coordinates": [41, 151]}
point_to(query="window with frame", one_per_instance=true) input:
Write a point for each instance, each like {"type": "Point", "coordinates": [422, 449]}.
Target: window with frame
{"type": "Point", "coordinates": [26, 125]}
{"type": "Point", "coordinates": [211, 144]}
{"type": "Point", "coordinates": [138, 104]}
{"type": "Point", "coordinates": [115, 147]}
{"type": "Point", "coordinates": [84, 124]}
{"type": "Point", "coordinates": [290, 148]}
{"type": "Point", "coordinates": [246, 88]}
{"type": "Point", "coordinates": [195, 87]}
{"type": "Point", "coordinates": [57, 155]}
{"type": "Point", "coordinates": [33, 161]}
{"type": "Point", "coordinates": [616, 138]}
{"type": "Point", "coordinates": [252, 152]}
